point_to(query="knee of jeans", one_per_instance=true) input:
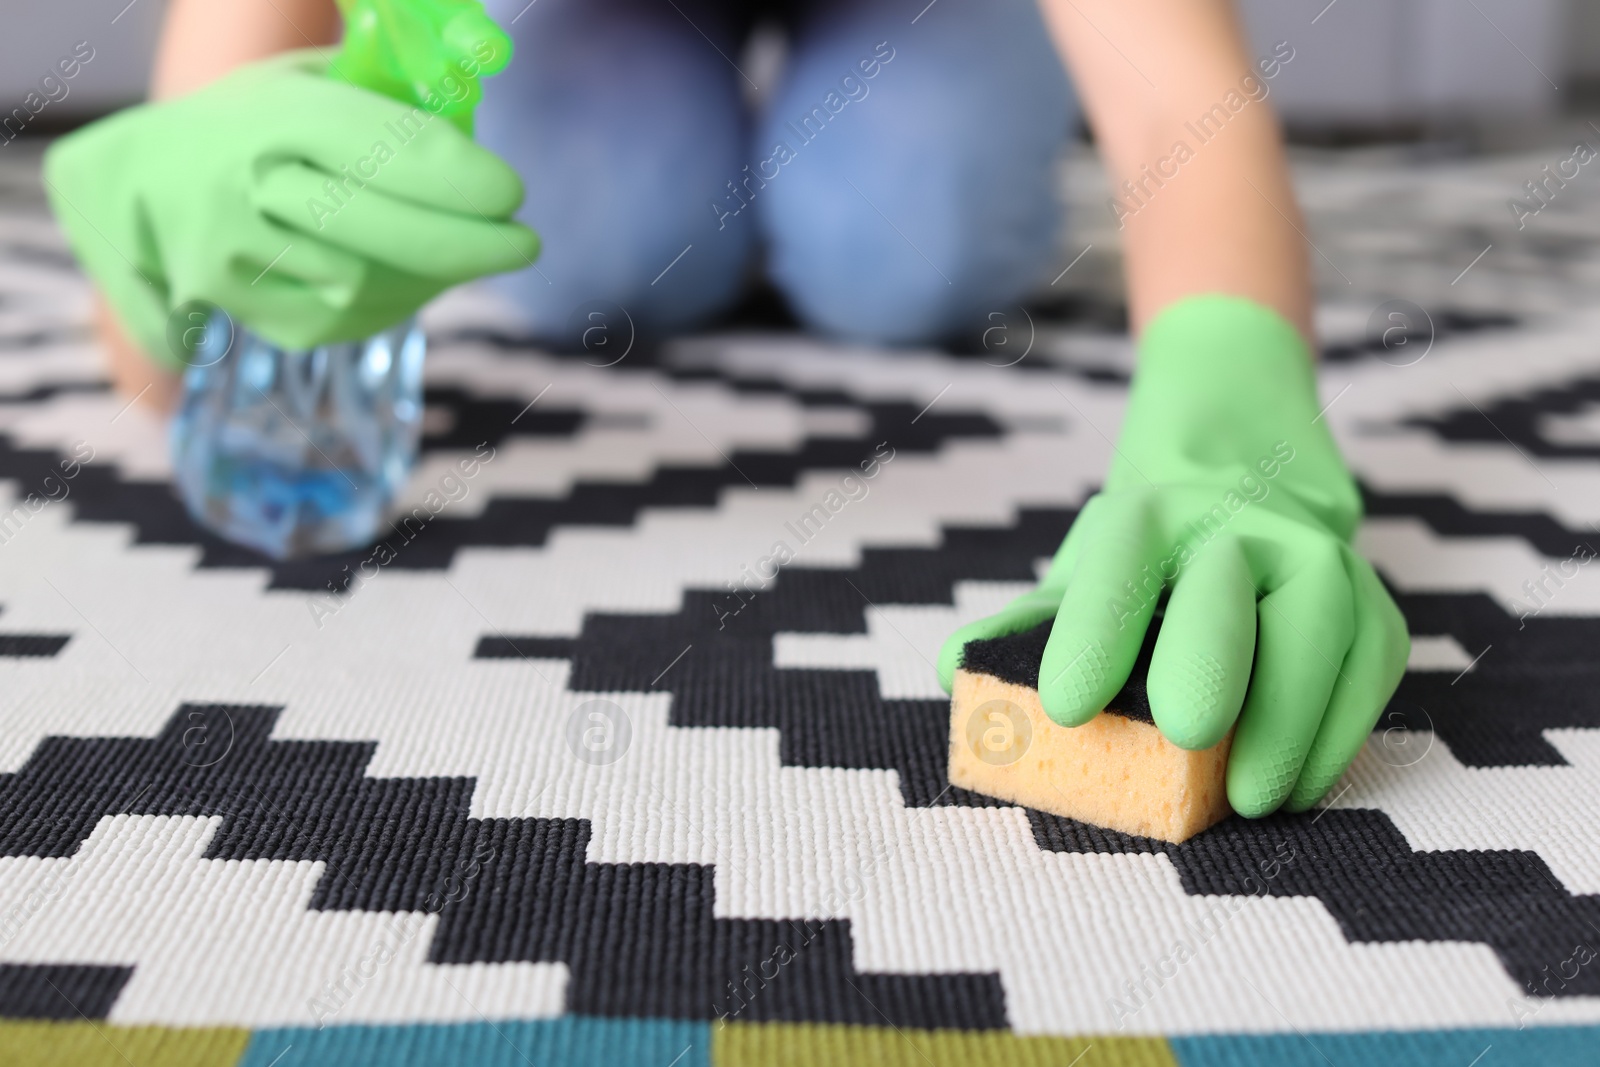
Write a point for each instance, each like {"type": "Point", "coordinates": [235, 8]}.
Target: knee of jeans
{"type": "Point", "coordinates": [908, 212]}
{"type": "Point", "coordinates": [662, 280]}
{"type": "Point", "coordinates": [872, 267]}
{"type": "Point", "coordinates": [642, 237]}
{"type": "Point", "coordinates": [893, 306]}
{"type": "Point", "coordinates": [625, 140]}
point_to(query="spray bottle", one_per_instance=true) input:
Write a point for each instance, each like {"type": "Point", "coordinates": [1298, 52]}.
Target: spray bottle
{"type": "Point", "coordinates": [295, 453]}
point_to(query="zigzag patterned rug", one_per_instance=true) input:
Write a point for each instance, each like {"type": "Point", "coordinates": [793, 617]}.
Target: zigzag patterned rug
{"type": "Point", "coordinates": [554, 777]}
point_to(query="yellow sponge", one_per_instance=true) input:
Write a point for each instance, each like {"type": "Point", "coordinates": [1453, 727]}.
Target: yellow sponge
{"type": "Point", "coordinates": [1116, 771]}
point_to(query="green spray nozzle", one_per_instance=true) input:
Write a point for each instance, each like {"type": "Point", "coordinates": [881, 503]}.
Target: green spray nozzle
{"type": "Point", "coordinates": [427, 53]}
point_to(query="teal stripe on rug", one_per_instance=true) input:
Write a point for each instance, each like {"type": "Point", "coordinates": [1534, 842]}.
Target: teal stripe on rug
{"type": "Point", "coordinates": [570, 1041]}
{"type": "Point", "coordinates": [1547, 1046]}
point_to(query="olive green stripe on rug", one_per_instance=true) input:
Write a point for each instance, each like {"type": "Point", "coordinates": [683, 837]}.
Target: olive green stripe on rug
{"type": "Point", "coordinates": [797, 1044]}
{"type": "Point", "coordinates": [99, 1044]}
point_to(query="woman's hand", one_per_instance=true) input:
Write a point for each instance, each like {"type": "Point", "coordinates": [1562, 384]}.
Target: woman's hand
{"type": "Point", "coordinates": [310, 210]}
{"type": "Point", "coordinates": [1228, 492]}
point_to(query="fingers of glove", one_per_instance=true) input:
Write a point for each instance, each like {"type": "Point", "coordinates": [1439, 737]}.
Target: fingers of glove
{"type": "Point", "coordinates": [269, 257]}
{"type": "Point", "coordinates": [1105, 611]}
{"type": "Point", "coordinates": [1371, 672]}
{"type": "Point", "coordinates": [1065, 560]}
{"type": "Point", "coordinates": [262, 260]}
{"type": "Point", "coordinates": [1201, 666]}
{"type": "Point", "coordinates": [380, 306]}
{"type": "Point", "coordinates": [446, 245]}
{"type": "Point", "coordinates": [410, 153]}
{"type": "Point", "coordinates": [387, 297]}
{"type": "Point", "coordinates": [286, 287]}
{"type": "Point", "coordinates": [1021, 614]}
{"type": "Point", "coordinates": [1303, 631]}
{"type": "Point", "coordinates": [303, 318]}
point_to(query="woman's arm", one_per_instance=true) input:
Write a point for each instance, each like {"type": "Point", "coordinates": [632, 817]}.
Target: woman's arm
{"type": "Point", "coordinates": [201, 41]}
{"type": "Point", "coordinates": [1218, 214]}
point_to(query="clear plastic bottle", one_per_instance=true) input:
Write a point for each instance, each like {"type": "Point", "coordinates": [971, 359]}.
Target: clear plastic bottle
{"type": "Point", "coordinates": [297, 453]}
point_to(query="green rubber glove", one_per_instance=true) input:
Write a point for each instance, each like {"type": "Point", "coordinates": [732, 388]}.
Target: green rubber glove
{"type": "Point", "coordinates": [1227, 490]}
{"type": "Point", "coordinates": [310, 209]}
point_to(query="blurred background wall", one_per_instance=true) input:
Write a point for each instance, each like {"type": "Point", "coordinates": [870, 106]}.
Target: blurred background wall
{"type": "Point", "coordinates": [35, 34]}
{"type": "Point", "coordinates": [1361, 67]}
{"type": "Point", "coordinates": [1378, 63]}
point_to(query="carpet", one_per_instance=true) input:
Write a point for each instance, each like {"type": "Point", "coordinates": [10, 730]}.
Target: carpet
{"type": "Point", "coordinates": [562, 776]}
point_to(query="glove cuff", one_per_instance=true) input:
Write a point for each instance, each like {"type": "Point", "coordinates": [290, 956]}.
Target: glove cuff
{"type": "Point", "coordinates": [1225, 389]}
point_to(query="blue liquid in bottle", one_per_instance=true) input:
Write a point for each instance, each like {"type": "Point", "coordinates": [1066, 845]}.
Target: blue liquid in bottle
{"type": "Point", "coordinates": [296, 453]}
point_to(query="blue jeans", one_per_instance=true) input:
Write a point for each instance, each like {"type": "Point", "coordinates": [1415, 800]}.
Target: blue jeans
{"type": "Point", "coordinates": [900, 180]}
